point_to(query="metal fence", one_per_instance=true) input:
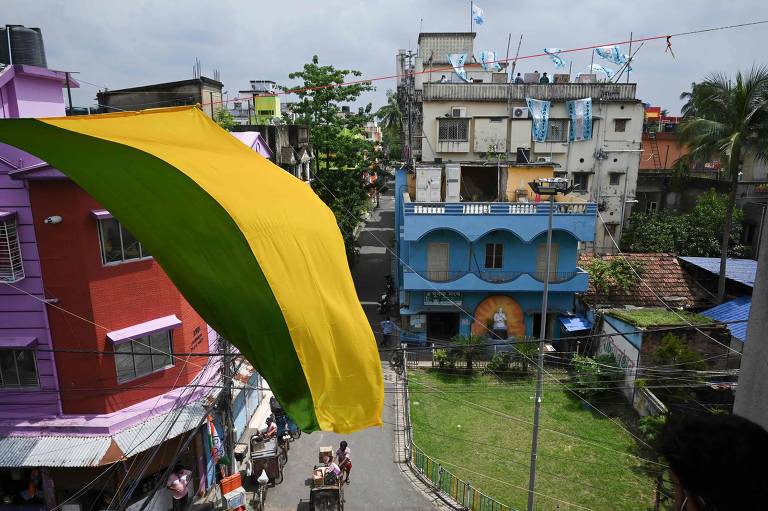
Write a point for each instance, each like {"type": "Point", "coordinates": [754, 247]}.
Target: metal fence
{"type": "Point", "coordinates": [460, 491]}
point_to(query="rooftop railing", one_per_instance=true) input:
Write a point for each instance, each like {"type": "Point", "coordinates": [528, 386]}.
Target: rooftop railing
{"type": "Point", "coordinates": [498, 208]}
{"type": "Point", "coordinates": [491, 275]}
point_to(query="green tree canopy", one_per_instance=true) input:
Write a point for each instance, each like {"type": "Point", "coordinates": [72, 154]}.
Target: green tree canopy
{"type": "Point", "coordinates": [697, 233]}
{"type": "Point", "coordinates": [727, 118]}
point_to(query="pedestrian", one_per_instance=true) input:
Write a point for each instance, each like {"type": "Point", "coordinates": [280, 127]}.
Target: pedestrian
{"type": "Point", "coordinates": [344, 458]}
{"type": "Point", "coordinates": [387, 327]}
{"type": "Point", "coordinates": [177, 484]}
{"type": "Point", "coordinates": [536, 76]}
{"type": "Point", "coordinates": [518, 78]}
{"type": "Point", "coordinates": [544, 78]}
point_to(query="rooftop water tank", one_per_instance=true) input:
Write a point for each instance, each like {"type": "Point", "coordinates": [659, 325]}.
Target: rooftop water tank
{"type": "Point", "coordinates": [25, 45]}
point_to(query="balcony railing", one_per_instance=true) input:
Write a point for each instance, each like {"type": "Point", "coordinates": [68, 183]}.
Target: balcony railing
{"type": "Point", "coordinates": [492, 276]}
{"type": "Point", "coordinates": [518, 92]}
{"type": "Point", "coordinates": [498, 208]}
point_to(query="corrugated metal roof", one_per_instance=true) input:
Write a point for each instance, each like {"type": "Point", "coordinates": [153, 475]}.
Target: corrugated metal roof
{"type": "Point", "coordinates": [575, 323]}
{"type": "Point", "coordinates": [735, 310]}
{"type": "Point", "coordinates": [739, 270]}
{"type": "Point", "coordinates": [95, 450]}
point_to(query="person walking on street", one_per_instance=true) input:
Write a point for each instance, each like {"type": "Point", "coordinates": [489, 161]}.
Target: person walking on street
{"type": "Point", "coordinates": [387, 328]}
{"type": "Point", "coordinates": [344, 459]}
{"type": "Point", "coordinates": [177, 484]}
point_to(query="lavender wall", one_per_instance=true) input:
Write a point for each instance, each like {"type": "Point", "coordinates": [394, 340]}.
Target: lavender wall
{"type": "Point", "coordinates": [22, 315]}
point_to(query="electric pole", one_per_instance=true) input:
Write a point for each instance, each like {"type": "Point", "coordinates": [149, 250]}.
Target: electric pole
{"type": "Point", "coordinates": [547, 187]}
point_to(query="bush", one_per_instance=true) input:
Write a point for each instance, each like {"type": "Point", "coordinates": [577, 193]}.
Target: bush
{"type": "Point", "coordinates": [440, 357]}
{"type": "Point", "coordinates": [594, 375]}
{"type": "Point", "coordinates": [650, 427]}
{"type": "Point", "coordinates": [500, 362]}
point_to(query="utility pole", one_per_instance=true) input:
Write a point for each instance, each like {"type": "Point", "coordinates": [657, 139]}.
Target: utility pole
{"type": "Point", "coordinates": [550, 187]}
{"type": "Point", "coordinates": [229, 423]}
{"type": "Point", "coordinates": [69, 93]}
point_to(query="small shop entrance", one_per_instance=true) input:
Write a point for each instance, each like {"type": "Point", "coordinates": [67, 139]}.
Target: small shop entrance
{"type": "Point", "coordinates": [442, 326]}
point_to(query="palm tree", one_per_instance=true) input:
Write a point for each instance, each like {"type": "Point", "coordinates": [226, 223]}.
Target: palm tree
{"type": "Point", "coordinates": [389, 115]}
{"type": "Point", "coordinates": [467, 347]}
{"type": "Point", "coordinates": [727, 119]}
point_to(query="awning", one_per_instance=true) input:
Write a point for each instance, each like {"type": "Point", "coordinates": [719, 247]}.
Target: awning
{"type": "Point", "coordinates": [144, 329]}
{"type": "Point", "coordinates": [101, 214]}
{"type": "Point", "coordinates": [17, 342]}
{"type": "Point", "coordinates": [18, 451]}
{"type": "Point", "coordinates": [575, 323]}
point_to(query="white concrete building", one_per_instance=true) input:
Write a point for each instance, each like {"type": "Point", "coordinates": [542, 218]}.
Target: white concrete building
{"type": "Point", "coordinates": [487, 120]}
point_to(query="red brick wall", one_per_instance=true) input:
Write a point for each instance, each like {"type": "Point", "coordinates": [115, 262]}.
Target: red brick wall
{"type": "Point", "coordinates": [708, 349]}
{"type": "Point", "coordinates": [111, 296]}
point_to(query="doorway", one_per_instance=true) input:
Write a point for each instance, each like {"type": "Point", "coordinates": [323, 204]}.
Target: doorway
{"type": "Point", "coordinates": [442, 326]}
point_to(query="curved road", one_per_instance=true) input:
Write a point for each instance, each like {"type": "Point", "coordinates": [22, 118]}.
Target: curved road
{"type": "Point", "coordinates": [376, 481]}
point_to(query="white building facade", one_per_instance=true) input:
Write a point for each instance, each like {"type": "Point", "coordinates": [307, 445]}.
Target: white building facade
{"type": "Point", "coordinates": [487, 121]}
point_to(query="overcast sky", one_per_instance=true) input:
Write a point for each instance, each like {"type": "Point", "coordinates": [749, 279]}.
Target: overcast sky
{"type": "Point", "coordinates": [129, 43]}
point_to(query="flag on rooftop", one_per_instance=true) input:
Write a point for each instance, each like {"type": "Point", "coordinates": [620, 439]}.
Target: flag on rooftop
{"type": "Point", "coordinates": [252, 248]}
{"type": "Point", "coordinates": [477, 14]}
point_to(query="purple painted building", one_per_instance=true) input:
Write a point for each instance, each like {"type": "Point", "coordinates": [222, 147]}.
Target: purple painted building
{"type": "Point", "coordinates": [67, 417]}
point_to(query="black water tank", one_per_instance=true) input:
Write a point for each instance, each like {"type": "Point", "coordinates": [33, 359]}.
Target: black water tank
{"type": "Point", "coordinates": [26, 45]}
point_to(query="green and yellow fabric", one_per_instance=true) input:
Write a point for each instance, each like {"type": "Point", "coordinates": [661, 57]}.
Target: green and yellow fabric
{"type": "Point", "coordinates": [252, 248]}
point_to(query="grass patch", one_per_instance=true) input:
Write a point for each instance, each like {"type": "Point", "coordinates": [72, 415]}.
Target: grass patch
{"type": "Point", "coordinates": [464, 422]}
{"type": "Point", "coordinates": [649, 317]}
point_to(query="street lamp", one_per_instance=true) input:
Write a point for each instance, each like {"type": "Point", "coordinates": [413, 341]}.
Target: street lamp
{"type": "Point", "coordinates": [548, 187]}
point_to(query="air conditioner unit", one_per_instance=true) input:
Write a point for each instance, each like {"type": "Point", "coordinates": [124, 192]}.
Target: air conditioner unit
{"type": "Point", "coordinates": [544, 159]}
{"type": "Point", "coordinates": [458, 111]}
{"type": "Point", "coordinates": [520, 112]}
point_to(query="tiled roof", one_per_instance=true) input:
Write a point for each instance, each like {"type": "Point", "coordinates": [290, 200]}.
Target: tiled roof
{"type": "Point", "coordinates": [730, 312]}
{"type": "Point", "coordinates": [739, 270]}
{"type": "Point", "coordinates": [665, 277]}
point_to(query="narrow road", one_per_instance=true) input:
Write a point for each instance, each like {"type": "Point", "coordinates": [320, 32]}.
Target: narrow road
{"type": "Point", "coordinates": [376, 481]}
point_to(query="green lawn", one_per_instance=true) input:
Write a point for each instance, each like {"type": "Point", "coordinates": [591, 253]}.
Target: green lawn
{"type": "Point", "coordinates": [466, 423]}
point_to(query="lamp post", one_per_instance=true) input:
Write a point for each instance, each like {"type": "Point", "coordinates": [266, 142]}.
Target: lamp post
{"type": "Point", "coordinates": [548, 187]}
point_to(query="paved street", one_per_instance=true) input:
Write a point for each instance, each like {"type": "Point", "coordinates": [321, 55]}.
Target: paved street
{"type": "Point", "coordinates": [376, 481]}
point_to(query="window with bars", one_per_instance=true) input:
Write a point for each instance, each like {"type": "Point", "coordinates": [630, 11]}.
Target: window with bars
{"type": "Point", "coordinates": [18, 368]}
{"type": "Point", "coordinates": [11, 263]}
{"type": "Point", "coordinates": [453, 130]}
{"type": "Point", "coordinates": [117, 244]}
{"type": "Point", "coordinates": [143, 356]}
{"type": "Point", "coordinates": [556, 130]}
{"type": "Point", "coordinates": [620, 125]}
{"type": "Point", "coordinates": [494, 255]}
{"type": "Point", "coordinates": [581, 182]}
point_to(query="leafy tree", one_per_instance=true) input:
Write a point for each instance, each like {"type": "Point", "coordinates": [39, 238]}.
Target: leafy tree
{"type": "Point", "coordinates": [391, 120]}
{"type": "Point", "coordinates": [696, 233]}
{"type": "Point", "coordinates": [673, 352]}
{"type": "Point", "coordinates": [224, 118]}
{"type": "Point", "coordinates": [727, 119]}
{"type": "Point", "coordinates": [320, 97]}
{"type": "Point", "coordinates": [338, 138]}
{"type": "Point", "coordinates": [525, 352]}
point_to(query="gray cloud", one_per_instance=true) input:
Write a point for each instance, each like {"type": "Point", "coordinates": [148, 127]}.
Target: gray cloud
{"type": "Point", "coordinates": [124, 44]}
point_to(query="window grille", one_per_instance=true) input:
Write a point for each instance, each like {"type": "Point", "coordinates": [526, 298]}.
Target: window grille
{"type": "Point", "coordinates": [453, 130]}
{"type": "Point", "coordinates": [556, 132]}
{"type": "Point", "coordinates": [11, 263]}
{"type": "Point", "coordinates": [18, 368]}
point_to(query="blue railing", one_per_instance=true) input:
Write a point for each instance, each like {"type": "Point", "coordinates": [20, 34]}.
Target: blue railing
{"type": "Point", "coordinates": [498, 208]}
{"type": "Point", "coordinates": [493, 276]}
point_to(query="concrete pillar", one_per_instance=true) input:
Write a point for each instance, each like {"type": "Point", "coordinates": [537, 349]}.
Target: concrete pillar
{"type": "Point", "coordinates": [752, 392]}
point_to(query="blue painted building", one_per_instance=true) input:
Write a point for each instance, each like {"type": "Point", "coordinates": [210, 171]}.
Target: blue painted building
{"type": "Point", "coordinates": [460, 262]}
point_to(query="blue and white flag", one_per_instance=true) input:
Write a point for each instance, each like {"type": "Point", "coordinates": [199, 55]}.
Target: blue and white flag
{"type": "Point", "coordinates": [539, 111]}
{"type": "Point", "coordinates": [488, 61]}
{"type": "Point", "coordinates": [477, 14]}
{"type": "Point", "coordinates": [597, 68]}
{"type": "Point", "coordinates": [554, 55]}
{"type": "Point", "coordinates": [457, 61]}
{"type": "Point", "coordinates": [580, 113]}
{"type": "Point", "coordinates": [613, 54]}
